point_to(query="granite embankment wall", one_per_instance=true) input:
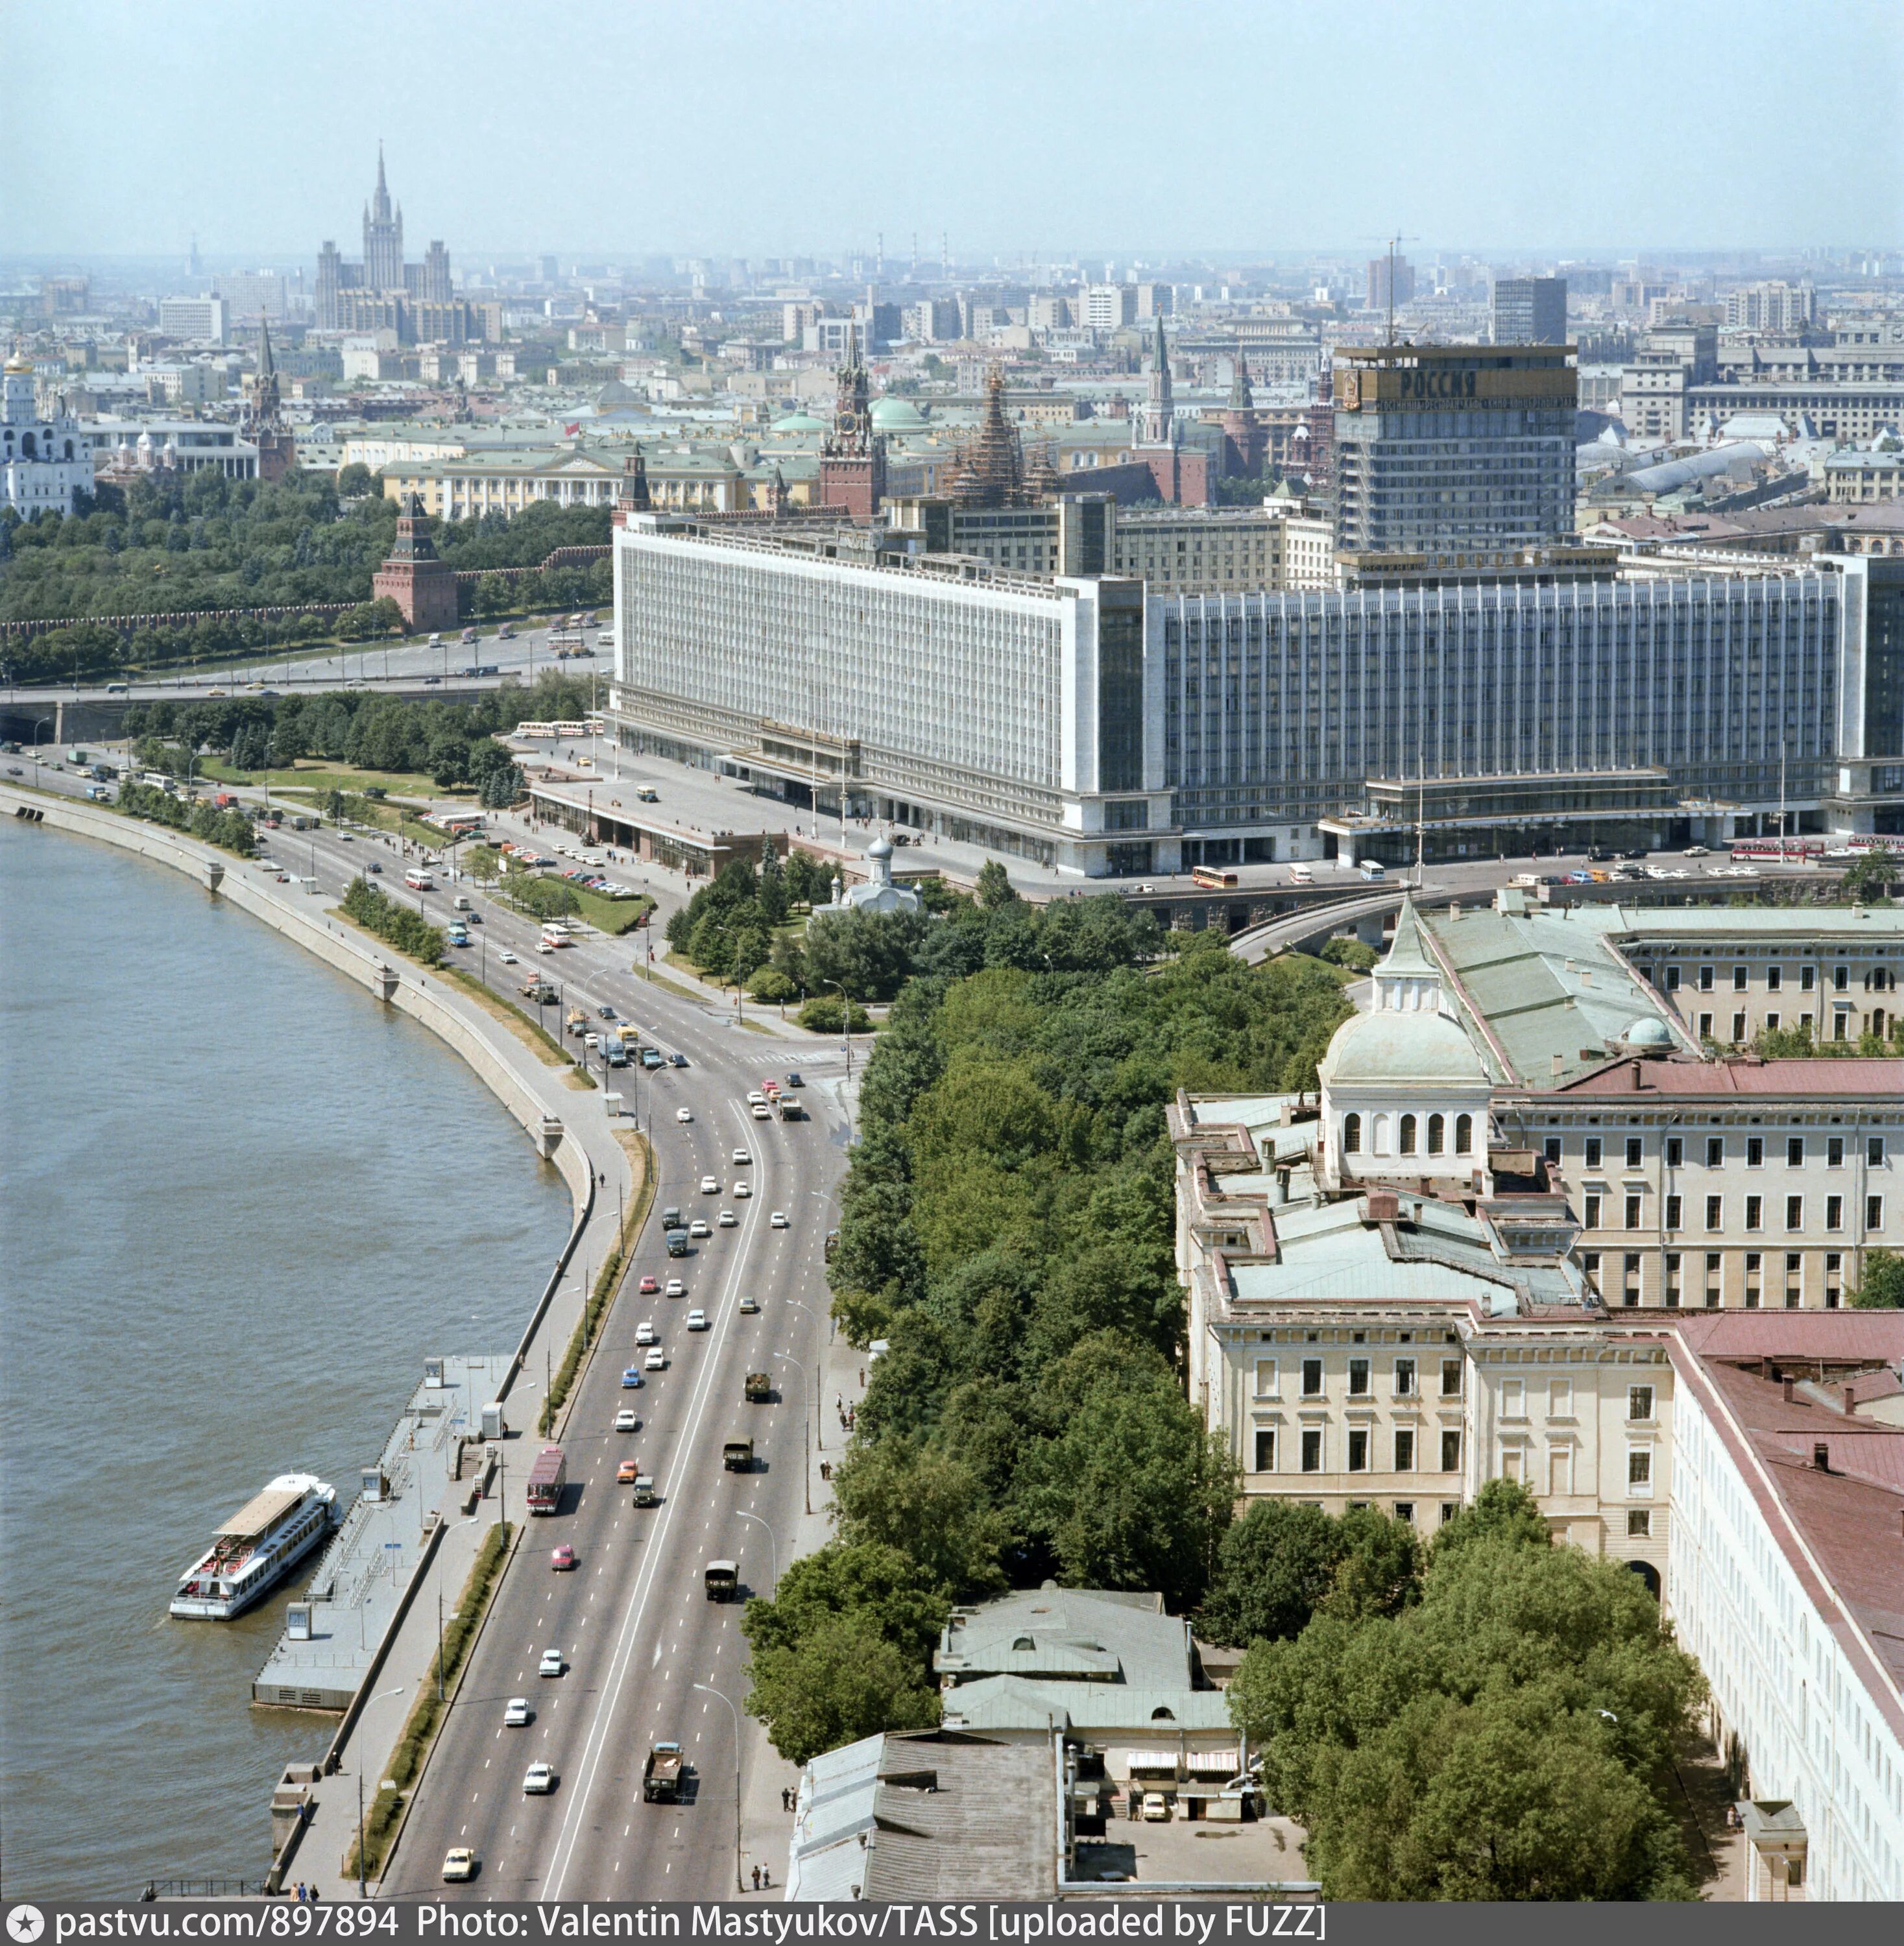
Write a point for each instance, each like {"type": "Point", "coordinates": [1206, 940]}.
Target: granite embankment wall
{"type": "Point", "coordinates": [399, 985]}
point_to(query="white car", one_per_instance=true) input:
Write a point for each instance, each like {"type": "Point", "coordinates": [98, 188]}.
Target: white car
{"type": "Point", "coordinates": [748, 1307]}
{"type": "Point", "coordinates": [627, 1420]}
{"type": "Point", "coordinates": [742, 1159]}
{"type": "Point", "coordinates": [459, 1864]}
{"type": "Point", "coordinates": [538, 1781]}
{"type": "Point", "coordinates": [657, 1360]}
{"type": "Point", "coordinates": [743, 1190]}
{"type": "Point", "coordinates": [645, 1333]}
{"type": "Point", "coordinates": [675, 1288]}
{"type": "Point", "coordinates": [710, 1187]}
{"type": "Point", "coordinates": [761, 1112]}
{"type": "Point", "coordinates": [507, 958]}
{"type": "Point", "coordinates": [697, 1321]}
{"type": "Point", "coordinates": [551, 1663]}
{"type": "Point", "coordinates": [727, 1219]}
{"type": "Point", "coordinates": [757, 1100]}
{"type": "Point", "coordinates": [699, 1227]}
{"type": "Point", "coordinates": [515, 1713]}
{"type": "Point", "coordinates": [778, 1219]}
{"type": "Point", "coordinates": [684, 1114]}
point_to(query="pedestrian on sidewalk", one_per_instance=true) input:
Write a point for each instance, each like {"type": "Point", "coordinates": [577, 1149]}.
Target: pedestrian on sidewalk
{"type": "Point", "coordinates": [756, 1878]}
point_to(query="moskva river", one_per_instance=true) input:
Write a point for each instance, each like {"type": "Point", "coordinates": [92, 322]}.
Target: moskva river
{"type": "Point", "coordinates": [239, 1202]}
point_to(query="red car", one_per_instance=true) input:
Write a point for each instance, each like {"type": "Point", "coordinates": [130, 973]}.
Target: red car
{"type": "Point", "coordinates": [649, 1286]}
{"type": "Point", "coordinates": [562, 1559]}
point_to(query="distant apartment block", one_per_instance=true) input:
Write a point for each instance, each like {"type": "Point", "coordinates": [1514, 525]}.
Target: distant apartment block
{"type": "Point", "coordinates": [201, 319]}
{"type": "Point", "coordinates": [1530, 310]}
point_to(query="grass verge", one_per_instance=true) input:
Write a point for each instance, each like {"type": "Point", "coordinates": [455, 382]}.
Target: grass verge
{"type": "Point", "coordinates": [329, 777]}
{"type": "Point", "coordinates": [539, 1040]}
{"type": "Point", "coordinates": [612, 917]}
{"type": "Point", "coordinates": [434, 965]}
{"type": "Point", "coordinates": [634, 1214]}
{"type": "Point", "coordinates": [386, 1809]}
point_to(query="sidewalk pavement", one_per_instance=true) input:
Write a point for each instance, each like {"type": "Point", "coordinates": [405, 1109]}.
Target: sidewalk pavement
{"type": "Point", "coordinates": [766, 1823]}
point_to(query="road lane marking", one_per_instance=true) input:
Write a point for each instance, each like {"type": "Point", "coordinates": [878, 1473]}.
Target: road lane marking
{"type": "Point", "coordinates": [596, 1739]}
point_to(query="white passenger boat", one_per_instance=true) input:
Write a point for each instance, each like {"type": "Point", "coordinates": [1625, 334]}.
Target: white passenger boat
{"type": "Point", "coordinates": [262, 1542]}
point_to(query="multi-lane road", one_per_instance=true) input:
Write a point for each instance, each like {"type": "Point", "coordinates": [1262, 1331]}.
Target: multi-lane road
{"type": "Point", "coordinates": [631, 1619]}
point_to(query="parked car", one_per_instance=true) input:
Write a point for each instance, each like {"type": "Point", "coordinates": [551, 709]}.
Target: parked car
{"type": "Point", "coordinates": [1156, 1808]}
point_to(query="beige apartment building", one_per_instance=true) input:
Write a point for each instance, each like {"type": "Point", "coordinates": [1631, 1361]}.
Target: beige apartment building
{"type": "Point", "coordinates": [1173, 550]}
{"type": "Point", "coordinates": [1699, 1180]}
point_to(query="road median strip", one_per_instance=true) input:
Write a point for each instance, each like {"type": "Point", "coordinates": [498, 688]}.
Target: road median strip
{"type": "Point", "coordinates": [607, 1284]}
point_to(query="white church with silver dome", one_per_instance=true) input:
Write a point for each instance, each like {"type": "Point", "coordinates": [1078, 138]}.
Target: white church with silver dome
{"type": "Point", "coordinates": [876, 893]}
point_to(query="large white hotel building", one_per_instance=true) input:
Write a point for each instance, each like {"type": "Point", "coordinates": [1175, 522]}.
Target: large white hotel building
{"type": "Point", "coordinates": [1091, 727]}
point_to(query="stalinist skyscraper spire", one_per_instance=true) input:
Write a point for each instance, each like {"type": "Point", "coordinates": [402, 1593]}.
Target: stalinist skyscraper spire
{"type": "Point", "coordinates": [383, 238]}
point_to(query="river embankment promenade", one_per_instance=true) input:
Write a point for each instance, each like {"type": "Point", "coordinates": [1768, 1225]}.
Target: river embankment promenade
{"type": "Point", "coordinates": [569, 1128]}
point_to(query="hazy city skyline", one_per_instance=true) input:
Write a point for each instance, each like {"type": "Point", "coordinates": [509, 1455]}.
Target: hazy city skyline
{"type": "Point", "coordinates": [1140, 130]}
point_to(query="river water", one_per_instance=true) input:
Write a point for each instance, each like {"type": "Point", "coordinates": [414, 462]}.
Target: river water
{"type": "Point", "coordinates": [238, 1203]}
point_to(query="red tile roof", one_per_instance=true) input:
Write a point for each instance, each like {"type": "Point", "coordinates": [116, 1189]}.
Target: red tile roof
{"type": "Point", "coordinates": [1838, 1337]}
{"type": "Point", "coordinates": [1846, 1520]}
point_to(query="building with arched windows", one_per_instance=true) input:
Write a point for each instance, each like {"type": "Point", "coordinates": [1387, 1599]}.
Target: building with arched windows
{"type": "Point", "coordinates": [1405, 1095]}
{"type": "Point", "coordinates": [45, 463]}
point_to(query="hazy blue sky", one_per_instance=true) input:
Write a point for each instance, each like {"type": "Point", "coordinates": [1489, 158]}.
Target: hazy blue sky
{"type": "Point", "coordinates": [1039, 125]}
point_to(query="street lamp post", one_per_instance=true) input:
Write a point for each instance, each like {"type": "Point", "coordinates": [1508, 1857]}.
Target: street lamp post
{"type": "Point", "coordinates": [806, 1451]}
{"type": "Point", "coordinates": [819, 1418]}
{"type": "Point", "coordinates": [773, 1544]}
{"type": "Point", "coordinates": [740, 1884]}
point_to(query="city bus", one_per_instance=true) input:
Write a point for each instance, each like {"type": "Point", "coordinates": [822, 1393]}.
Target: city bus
{"type": "Point", "coordinates": [419, 881]}
{"type": "Point", "coordinates": [547, 1478]}
{"type": "Point", "coordinates": [1212, 878]}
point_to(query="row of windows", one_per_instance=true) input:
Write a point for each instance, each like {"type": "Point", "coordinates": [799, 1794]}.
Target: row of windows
{"type": "Point", "coordinates": [1879, 979]}
{"type": "Point", "coordinates": [1310, 1450]}
{"type": "Point", "coordinates": [1403, 1377]}
{"type": "Point", "coordinates": [1797, 1151]}
{"type": "Point", "coordinates": [1408, 1134]}
{"type": "Point", "coordinates": [1673, 1217]}
{"type": "Point", "coordinates": [1754, 1283]}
